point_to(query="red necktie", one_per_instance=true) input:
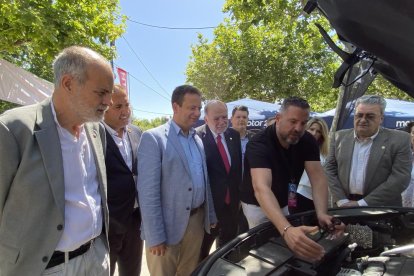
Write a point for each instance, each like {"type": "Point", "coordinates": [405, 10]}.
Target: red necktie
{"type": "Point", "coordinates": [226, 164]}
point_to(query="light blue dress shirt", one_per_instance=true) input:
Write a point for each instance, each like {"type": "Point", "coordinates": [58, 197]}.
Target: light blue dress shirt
{"type": "Point", "coordinates": [195, 163]}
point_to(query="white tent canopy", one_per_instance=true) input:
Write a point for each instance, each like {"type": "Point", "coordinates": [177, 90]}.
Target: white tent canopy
{"type": "Point", "coordinates": [259, 112]}
{"type": "Point", "coordinates": [22, 87]}
{"type": "Point", "coordinates": [397, 114]}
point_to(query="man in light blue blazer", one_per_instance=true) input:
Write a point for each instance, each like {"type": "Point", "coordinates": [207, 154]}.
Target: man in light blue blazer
{"type": "Point", "coordinates": [173, 189]}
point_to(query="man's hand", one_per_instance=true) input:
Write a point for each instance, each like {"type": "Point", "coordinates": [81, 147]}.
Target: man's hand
{"type": "Point", "coordinates": [303, 246]}
{"type": "Point", "coordinates": [335, 227]}
{"type": "Point", "coordinates": [158, 250]}
{"type": "Point", "coordinates": [351, 203]}
{"type": "Point", "coordinates": [213, 225]}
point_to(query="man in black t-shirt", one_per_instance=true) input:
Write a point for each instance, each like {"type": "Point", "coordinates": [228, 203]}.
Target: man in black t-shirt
{"type": "Point", "coordinates": [275, 160]}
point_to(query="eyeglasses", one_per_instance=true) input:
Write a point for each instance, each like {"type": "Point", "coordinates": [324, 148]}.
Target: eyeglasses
{"type": "Point", "coordinates": [367, 116]}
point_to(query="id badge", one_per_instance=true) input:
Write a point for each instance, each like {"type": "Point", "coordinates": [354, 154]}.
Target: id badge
{"type": "Point", "coordinates": [292, 196]}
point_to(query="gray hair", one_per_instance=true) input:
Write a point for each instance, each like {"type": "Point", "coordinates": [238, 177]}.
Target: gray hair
{"type": "Point", "coordinates": [213, 102]}
{"type": "Point", "coordinates": [372, 100]}
{"type": "Point", "coordinates": [74, 61]}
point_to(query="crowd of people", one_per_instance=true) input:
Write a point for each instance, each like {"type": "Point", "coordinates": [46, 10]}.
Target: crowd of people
{"type": "Point", "coordinates": [82, 189]}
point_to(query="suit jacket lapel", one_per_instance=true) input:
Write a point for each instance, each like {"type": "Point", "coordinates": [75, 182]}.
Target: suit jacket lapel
{"type": "Point", "coordinates": [377, 151]}
{"type": "Point", "coordinates": [134, 142]}
{"type": "Point", "coordinates": [92, 132]}
{"type": "Point", "coordinates": [212, 145]}
{"type": "Point", "coordinates": [231, 147]}
{"type": "Point", "coordinates": [95, 136]}
{"type": "Point", "coordinates": [173, 138]}
{"type": "Point", "coordinates": [115, 149]}
{"type": "Point", "coordinates": [346, 153]}
{"type": "Point", "coordinates": [200, 147]}
{"type": "Point", "coordinates": [49, 145]}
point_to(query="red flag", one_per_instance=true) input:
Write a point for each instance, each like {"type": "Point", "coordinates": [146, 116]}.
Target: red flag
{"type": "Point", "coordinates": [123, 78]}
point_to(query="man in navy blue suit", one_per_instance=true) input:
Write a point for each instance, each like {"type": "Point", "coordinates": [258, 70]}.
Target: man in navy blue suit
{"type": "Point", "coordinates": [122, 138]}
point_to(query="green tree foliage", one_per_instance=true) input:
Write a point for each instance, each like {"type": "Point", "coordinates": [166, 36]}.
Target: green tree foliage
{"type": "Point", "coordinates": [146, 124]}
{"type": "Point", "coordinates": [381, 86]}
{"type": "Point", "coordinates": [268, 50]}
{"type": "Point", "coordinates": [33, 31]}
{"type": "Point", "coordinates": [6, 106]}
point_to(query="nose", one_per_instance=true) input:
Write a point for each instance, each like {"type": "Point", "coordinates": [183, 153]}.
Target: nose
{"type": "Point", "coordinates": [299, 126]}
{"type": "Point", "coordinates": [126, 109]}
{"type": "Point", "coordinates": [197, 112]}
{"type": "Point", "coordinates": [223, 120]}
{"type": "Point", "coordinates": [107, 99]}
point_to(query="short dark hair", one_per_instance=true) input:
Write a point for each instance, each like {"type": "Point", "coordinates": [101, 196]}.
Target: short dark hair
{"type": "Point", "coordinates": [180, 91]}
{"type": "Point", "coordinates": [239, 108]}
{"type": "Point", "coordinates": [294, 101]}
{"type": "Point", "coordinates": [409, 126]}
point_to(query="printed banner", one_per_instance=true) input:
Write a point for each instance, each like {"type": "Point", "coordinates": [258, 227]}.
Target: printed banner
{"type": "Point", "coordinates": [123, 78]}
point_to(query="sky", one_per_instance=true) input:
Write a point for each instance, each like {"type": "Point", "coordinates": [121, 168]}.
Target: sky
{"type": "Point", "coordinates": [156, 58]}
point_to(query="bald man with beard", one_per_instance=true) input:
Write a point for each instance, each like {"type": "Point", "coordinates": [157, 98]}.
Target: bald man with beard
{"type": "Point", "coordinates": [121, 168]}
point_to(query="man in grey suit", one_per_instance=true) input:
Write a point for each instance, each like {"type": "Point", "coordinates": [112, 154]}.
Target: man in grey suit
{"type": "Point", "coordinates": [173, 189]}
{"type": "Point", "coordinates": [52, 176]}
{"type": "Point", "coordinates": [369, 165]}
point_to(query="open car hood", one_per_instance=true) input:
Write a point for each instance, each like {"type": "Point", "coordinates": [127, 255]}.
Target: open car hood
{"type": "Point", "coordinates": [377, 239]}
{"type": "Point", "coordinates": [382, 28]}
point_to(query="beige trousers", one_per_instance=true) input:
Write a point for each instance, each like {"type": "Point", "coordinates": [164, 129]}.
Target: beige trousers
{"type": "Point", "coordinates": [182, 258]}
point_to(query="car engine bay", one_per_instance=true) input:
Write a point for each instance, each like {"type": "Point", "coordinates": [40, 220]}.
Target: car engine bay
{"type": "Point", "coordinates": [377, 241]}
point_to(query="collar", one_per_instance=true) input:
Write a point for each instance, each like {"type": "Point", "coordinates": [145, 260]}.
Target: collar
{"type": "Point", "coordinates": [369, 138]}
{"type": "Point", "coordinates": [112, 131]}
{"type": "Point", "coordinates": [215, 134]}
{"type": "Point", "coordinates": [178, 129]}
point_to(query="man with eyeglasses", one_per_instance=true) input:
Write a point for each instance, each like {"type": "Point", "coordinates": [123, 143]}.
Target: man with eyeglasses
{"type": "Point", "coordinates": [369, 165]}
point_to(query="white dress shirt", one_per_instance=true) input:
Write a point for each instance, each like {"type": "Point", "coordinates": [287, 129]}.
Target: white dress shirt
{"type": "Point", "coordinates": [360, 157]}
{"type": "Point", "coordinates": [83, 212]}
{"type": "Point", "coordinates": [123, 144]}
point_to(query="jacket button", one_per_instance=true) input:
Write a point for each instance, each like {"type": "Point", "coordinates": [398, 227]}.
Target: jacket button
{"type": "Point", "coordinates": [59, 227]}
{"type": "Point", "coordinates": [44, 259]}
{"type": "Point", "coordinates": [188, 208]}
{"type": "Point", "coordinates": [190, 189]}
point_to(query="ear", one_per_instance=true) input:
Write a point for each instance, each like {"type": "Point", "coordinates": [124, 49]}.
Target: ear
{"type": "Point", "coordinates": [278, 117]}
{"type": "Point", "coordinates": [175, 107]}
{"type": "Point", "coordinates": [67, 82]}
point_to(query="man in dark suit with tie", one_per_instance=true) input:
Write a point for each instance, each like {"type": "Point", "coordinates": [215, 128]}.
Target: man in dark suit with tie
{"type": "Point", "coordinates": [122, 138]}
{"type": "Point", "coordinates": [224, 164]}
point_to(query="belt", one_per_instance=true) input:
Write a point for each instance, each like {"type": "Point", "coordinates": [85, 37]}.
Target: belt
{"type": "Point", "coordinates": [58, 257]}
{"type": "Point", "coordinates": [195, 210]}
{"type": "Point", "coordinates": [355, 197]}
